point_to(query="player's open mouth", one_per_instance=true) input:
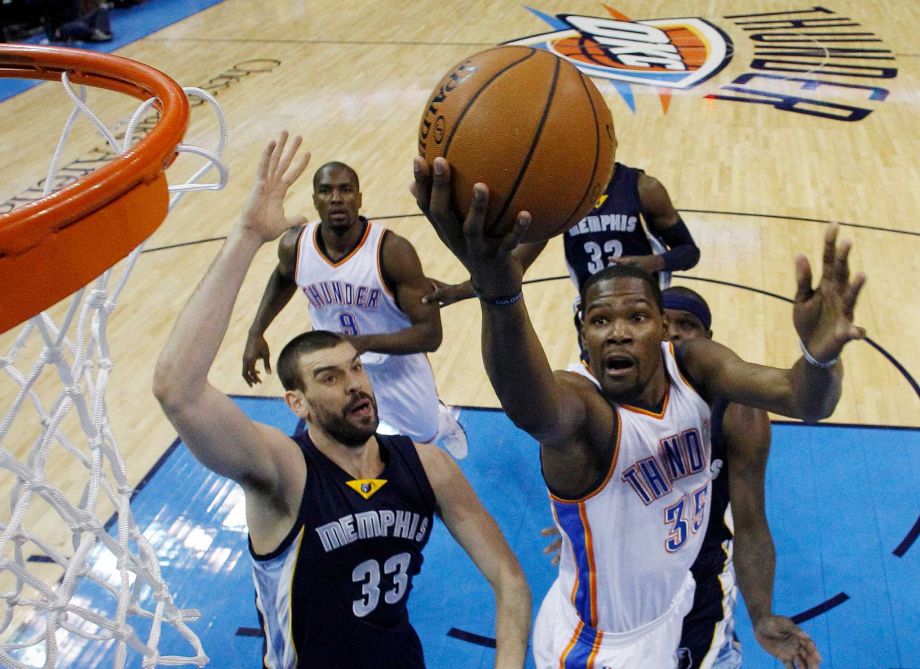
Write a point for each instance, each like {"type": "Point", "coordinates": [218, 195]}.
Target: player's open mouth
{"type": "Point", "coordinates": [363, 408]}
{"type": "Point", "coordinates": [618, 364]}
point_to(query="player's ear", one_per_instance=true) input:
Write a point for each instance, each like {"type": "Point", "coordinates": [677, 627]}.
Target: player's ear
{"type": "Point", "coordinates": [665, 327]}
{"type": "Point", "coordinates": [297, 402]}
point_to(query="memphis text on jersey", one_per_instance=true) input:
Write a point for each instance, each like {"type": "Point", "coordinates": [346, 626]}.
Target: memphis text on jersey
{"type": "Point", "coordinates": [603, 223]}
{"type": "Point", "coordinates": [370, 525]}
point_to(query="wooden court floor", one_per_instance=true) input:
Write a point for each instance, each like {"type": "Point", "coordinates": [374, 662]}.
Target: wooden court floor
{"type": "Point", "coordinates": [808, 116]}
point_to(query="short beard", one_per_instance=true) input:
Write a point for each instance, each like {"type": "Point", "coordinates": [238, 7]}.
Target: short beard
{"type": "Point", "coordinates": [346, 432]}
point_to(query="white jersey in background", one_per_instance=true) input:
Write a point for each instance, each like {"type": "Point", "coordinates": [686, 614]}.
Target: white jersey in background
{"type": "Point", "coordinates": [350, 296]}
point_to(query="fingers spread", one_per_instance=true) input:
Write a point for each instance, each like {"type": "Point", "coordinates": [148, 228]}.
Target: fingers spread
{"type": "Point", "coordinates": [263, 163]}
{"type": "Point", "coordinates": [516, 235]}
{"type": "Point", "coordinates": [299, 167]}
{"type": "Point", "coordinates": [830, 245]}
{"type": "Point", "coordinates": [440, 190]}
{"type": "Point", "coordinates": [421, 186]}
{"type": "Point", "coordinates": [803, 278]}
{"type": "Point", "coordinates": [841, 263]}
{"type": "Point", "coordinates": [852, 293]}
{"type": "Point", "coordinates": [474, 225]}
{"type": "Point", "coordinates": [276, 154]}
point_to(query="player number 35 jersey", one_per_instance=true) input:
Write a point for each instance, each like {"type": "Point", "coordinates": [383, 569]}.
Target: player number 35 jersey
{"type": "Point", "coordinates": [628, 545]}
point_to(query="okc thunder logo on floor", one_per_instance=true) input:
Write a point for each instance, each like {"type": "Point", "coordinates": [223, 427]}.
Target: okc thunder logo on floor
{"type": "Point", "coordinates": [667, 54]}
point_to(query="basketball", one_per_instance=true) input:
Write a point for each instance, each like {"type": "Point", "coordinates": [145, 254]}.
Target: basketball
{"type": "Point", "coordinates": [531, 127]}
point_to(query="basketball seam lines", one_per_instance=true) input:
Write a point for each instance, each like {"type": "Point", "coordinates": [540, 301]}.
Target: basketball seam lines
{"type": "Point", "coordinates": [475, 97]}
{"type": "Point", "coordinates": [597, 152]}
{"type": "Point", "coordinates": [533, 143]}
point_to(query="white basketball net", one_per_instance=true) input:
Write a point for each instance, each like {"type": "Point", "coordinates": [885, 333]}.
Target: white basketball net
{"type": "Point", "coordinates": [121, 566]}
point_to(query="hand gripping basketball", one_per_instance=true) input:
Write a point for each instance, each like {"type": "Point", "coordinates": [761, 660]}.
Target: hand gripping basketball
{"type": "Point", "coordinates": [493, 269]}
{"type": "Point", "coordinates": [823, 316]}
{"type": "Point", "coordinates": [264, 210]}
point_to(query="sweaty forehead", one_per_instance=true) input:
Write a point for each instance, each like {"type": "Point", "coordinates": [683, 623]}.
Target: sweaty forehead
{"type": "Point", "coordinates": [621, 289]}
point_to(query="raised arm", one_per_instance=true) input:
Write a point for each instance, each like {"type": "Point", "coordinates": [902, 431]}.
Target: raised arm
{"type": "Point", "coordinates": [747, 433]}
{"type": "Point", "coordinates": [478, 534]}
{"type": "Point", "coordinates": [823, 319]}
{"type": "Point", "coordinates": [403, 270]}
{"type": "Point", "coordinates": [260, 458]}
{"type": "Point", "coordinates": [517, 366]}
{"type": "Point", "coordinates": [279, 291]}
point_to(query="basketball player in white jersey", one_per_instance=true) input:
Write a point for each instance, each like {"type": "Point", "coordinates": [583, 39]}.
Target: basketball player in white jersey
{"type": "Point", "coordinates": [323, 505]}
{"type": "Point", "coordinates": [628, 464]}
{"type": "Point", "coordinates": [365, 282]}
{"type": "Point", "coordinates": [737, 540]}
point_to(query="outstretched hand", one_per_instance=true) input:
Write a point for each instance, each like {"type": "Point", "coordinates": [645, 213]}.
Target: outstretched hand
{"type": "Point", "coordinates": [495, 272]}
{"type": "Point", "coordinates": [444, 294]}
{"type": "Point", "coordinates": [823, 316]}
{"type": "Point", "coordinates": [264, 210]}
{"type": "Point", "coordinates": [787, 642]}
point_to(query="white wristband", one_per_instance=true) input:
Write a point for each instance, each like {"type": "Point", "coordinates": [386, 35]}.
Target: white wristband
{"type": "Point", "coordinates": [814, 362]}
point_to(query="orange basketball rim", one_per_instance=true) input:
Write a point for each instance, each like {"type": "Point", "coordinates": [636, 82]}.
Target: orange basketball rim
{"type": "Point", "coordinates": [51, 247]}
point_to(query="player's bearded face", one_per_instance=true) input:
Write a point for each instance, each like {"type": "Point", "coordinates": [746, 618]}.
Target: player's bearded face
{"type": "Point", "coordinates": [354, 423]}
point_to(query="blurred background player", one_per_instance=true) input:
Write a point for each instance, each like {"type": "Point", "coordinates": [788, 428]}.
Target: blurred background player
{"type": "Point", "coordinates": [741, 443]}
{"type": "Point", "coordinates": [632, 223]}
{"type": "Point", "coordinates": [338, 516]}
{"type": "Point", "coordinates": [75, 20]}
{"type": "Point", "coordinates": [365, 282]}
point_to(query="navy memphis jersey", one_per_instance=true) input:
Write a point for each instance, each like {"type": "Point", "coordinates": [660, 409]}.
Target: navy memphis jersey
{"type": "Point", "coordinates": [334, 592]}
{"type": "Point", "coordinates": [713, 555]}
{"type": "Point", "coordinates": [612, 229]}
{"type": "Point", "coordinates": [708, 626]}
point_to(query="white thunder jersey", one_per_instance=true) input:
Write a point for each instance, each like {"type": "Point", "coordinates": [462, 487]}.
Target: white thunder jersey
{"type": "Point", "coordinates": [628, 545]}
{"type": "Point", "coordinates": [350, 296]}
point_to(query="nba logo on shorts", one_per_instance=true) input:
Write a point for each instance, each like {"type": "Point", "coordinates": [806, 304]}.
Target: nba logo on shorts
{"type": "Point", "coordinates": [665, 53]}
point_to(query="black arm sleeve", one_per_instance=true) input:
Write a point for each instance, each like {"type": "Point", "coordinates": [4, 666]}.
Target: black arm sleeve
{"type": "Point", "coordinates": [682, 251]}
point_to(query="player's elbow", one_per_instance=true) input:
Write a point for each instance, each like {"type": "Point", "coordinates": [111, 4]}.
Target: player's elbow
{"type": "Point", "coordinates": [164, 388]}
{"type": "Point", "coordinates": [432, 338]}
{"type": "Point", "coordinates": [510, 584]}
{"type": "Point", "coordinates": [169, 387]}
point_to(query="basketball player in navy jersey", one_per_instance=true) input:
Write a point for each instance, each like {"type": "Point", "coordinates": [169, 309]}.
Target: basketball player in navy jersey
{"type": "Point", "coordinates": [628, 463]}
{"type": "Point", "coordinates": [741, 440]}
{"type": "Point", "coordinates": [631, 222]}
{"type": "Point", "coordinates": [742, 546]}
{"type": "Point", "coordinates": [365, 282]}
{"type": "Point", "coordinates": [339, 515]}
